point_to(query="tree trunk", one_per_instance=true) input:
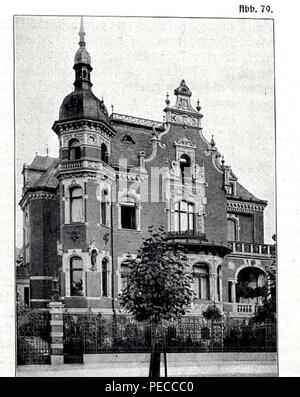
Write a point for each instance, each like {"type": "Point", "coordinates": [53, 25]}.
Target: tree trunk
{"type": "Point", "coordinates": [154, 371]}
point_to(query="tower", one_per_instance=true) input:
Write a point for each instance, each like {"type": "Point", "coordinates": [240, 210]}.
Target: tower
{"type": "Point", "coordinates": [85, 179]}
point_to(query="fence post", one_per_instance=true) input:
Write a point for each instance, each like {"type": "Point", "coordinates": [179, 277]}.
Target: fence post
{"type": "Point", "coordinates": [56, 333]}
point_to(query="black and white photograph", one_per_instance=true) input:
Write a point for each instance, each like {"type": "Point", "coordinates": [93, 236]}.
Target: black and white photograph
{"type": "Point", "coordinates": [145, 197]}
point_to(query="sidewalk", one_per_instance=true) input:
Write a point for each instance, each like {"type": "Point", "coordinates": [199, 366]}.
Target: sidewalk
{"type": "Point", "coordinates": [214, 369]}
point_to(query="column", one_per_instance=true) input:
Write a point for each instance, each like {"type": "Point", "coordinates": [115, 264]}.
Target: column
{"type": "Point", "coordinates": [233, 290]}
{"type": "Point", "coordinates": [213, 287]}
{"type": "Point", "coordinates": [221, 288]}
{"type": "Point", "coordinates": [56, 333]}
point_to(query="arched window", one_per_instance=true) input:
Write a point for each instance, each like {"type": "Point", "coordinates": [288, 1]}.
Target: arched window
{"type": "Point", "coordinates": [104, 277]}
{"type": "Point", "coordinates": [74, 149]}
{"type": "Point", "coordinates": [104, 153]}
{"type": "Point", "coordinates": [219, 282]}
{"type": "Point", "coordinates": [128, 214]}
{"type": "Point", "coordinates": [76, 277]}
{"type": "Point", "coordinates": [105, 206]}
{"type": "Point", "coordinates": [231, 230]}
{"type": "Point", "coordinates": [125, 270]}
{"type": "Point", "coordinates": [185, 168]}
{"type": "Point", "coordinates": [201, 281]}
{"type": "Point", "coordinates": [184, 216]}
{"type": "Point", "coordinates": [76, 205]}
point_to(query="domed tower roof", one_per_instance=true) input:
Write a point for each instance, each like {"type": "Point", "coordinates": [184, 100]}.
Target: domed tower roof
{"type": "Point", "coordinates": [82, 103]}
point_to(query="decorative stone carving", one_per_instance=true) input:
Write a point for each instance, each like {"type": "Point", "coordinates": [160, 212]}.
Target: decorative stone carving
{"type": "Point", "coordinates": [74, 236]}
{"type": "Point", "coordinates": [93, 252]}
{"type": "Point", "coordinates": [185, 142]}
{"type": "Point", "coordinates": [231, 265]}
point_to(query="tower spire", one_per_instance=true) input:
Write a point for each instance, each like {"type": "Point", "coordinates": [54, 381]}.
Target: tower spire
{"type": "Point", "coordinates": [82, 63]}
{"type": "Point", "coordinates": [81, 33]}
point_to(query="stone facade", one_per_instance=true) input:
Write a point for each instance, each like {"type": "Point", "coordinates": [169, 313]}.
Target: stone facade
{"type": "Point", "coordinates": [87, 211]}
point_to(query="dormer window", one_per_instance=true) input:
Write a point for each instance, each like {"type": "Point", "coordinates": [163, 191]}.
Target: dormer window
{"type": "Point", "coordinates": [74, 149]}
{"type": "Point", "coordinates": [128, 139]}
{"type": "Point", "coordinates": [231, 188]}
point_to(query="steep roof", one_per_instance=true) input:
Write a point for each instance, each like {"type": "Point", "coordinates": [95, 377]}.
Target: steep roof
{"type": "Point", "coordinates": [128, 142]}
{"type": "Point", "coordinates": [48, 179]}
{"type": "Point", "coordinates": [46, 166]}
{"type": "Point", "coordinates": [41, 163]}
{"type": "Point", "coordinates": [243, 194]}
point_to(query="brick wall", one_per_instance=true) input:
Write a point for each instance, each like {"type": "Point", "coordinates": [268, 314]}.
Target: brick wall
{"type": "Point", "coordinates": [45, 230]}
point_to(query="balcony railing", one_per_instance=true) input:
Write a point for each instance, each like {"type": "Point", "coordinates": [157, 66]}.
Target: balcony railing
{"type": "Point", "coordinates": [71, 165]}
{"type": "Point", "coordinates": [189, 234]}
{"type": "Point", "coordinates": [85, 165]}
{"type": "Point", "coordinates": [243, 308]}
{"type": "Point", "coordinates": [198, 240]}
{"type": "Point", "coordinates": [252, 248]}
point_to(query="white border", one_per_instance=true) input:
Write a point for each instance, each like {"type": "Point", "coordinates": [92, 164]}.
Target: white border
{"type": "Point", "coordinates": [287, 95]}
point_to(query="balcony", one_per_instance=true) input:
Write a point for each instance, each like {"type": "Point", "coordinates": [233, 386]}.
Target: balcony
{"type": "Point", "coordinates": [187, 234]}
{"type": "Point", "coordinates": [243, 308]}
{"type": "Point", "coordinates": [85, 165]}
{"type": "Point", "coordinates": [197, 241]}
{"type": "Point", "coordinates": [240, 310]}
{"type": "Point", "coordinates": [252, 248]}
{"type": "Point", "coordinates": [71, 165]}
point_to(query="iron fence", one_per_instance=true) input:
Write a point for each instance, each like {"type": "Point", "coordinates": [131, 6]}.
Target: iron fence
{"type": "Point", "coordinates": [33, 337]}
{"type": "Point", "coordinates": [91, 334]}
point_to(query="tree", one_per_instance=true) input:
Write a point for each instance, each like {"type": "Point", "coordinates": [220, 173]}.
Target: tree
{"type": "Point", "coordinates": [212, 313]}
{"type": "Point", "coordinates": [267, 312]}
{"type": "Point", "coordinates": [159, 283]}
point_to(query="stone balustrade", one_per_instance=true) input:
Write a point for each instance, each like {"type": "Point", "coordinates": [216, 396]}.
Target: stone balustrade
{"type": "Point", "coordinates": [252, 248]}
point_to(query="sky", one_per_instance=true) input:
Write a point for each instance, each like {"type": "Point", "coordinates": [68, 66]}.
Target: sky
{"type": "Point", "coordinates": [226, 63]}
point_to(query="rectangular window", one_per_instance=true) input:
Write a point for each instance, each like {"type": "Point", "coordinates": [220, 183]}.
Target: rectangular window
{"type": "Point", "coordinates": [124, 281]}
{"type": "Point", "coordinates": [128, 216]}
{"type": "Point", "coordinates": [76, 213]}
{"type": "Point", "coordinates": [104, 283]}
{"type": "Point", "coordinates": [204, 288]}
{"type": "Point", "coordinates": [191, 222]}
{"type": "Point", "coordinates": [104, 213]}
{"type": "Point", "coordinates": [183, 222]}
{"type": "Point", "coordinates": [76, 274]}
{"type": "Point", "coordinates": [195, 285]}
{"type": "Point", "coordinates": [176, 221]}
{"type": "Point", "coordinates": [231, 230]}
{"type": "Point", "coordinates": [229, 291]}
{"type": "Point", "coordinates": [26, 296]}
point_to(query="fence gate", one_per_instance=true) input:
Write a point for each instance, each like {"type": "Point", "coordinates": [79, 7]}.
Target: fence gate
{"type": "Point", "coordinates": [73, 339]}
{"type": "Point", "coordinates": [33, 337]}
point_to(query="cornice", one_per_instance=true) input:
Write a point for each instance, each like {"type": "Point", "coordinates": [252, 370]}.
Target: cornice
{"type": "Point", "coordinates": [244, 206]}
{"type": "Point", "coordinates": [37, 195]}
{"type": "Point", "coordinates": [82, 124]}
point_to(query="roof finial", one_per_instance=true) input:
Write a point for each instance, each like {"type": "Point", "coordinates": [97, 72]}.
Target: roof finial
{"type": "Point", "coordinates": [81, 33]}
{"type": "Point", "coordinates": [198, 106]}
{"type": "Point", "coordinates": [167, 99]}
{"type": "Point", "coordinates": [212, 141]}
